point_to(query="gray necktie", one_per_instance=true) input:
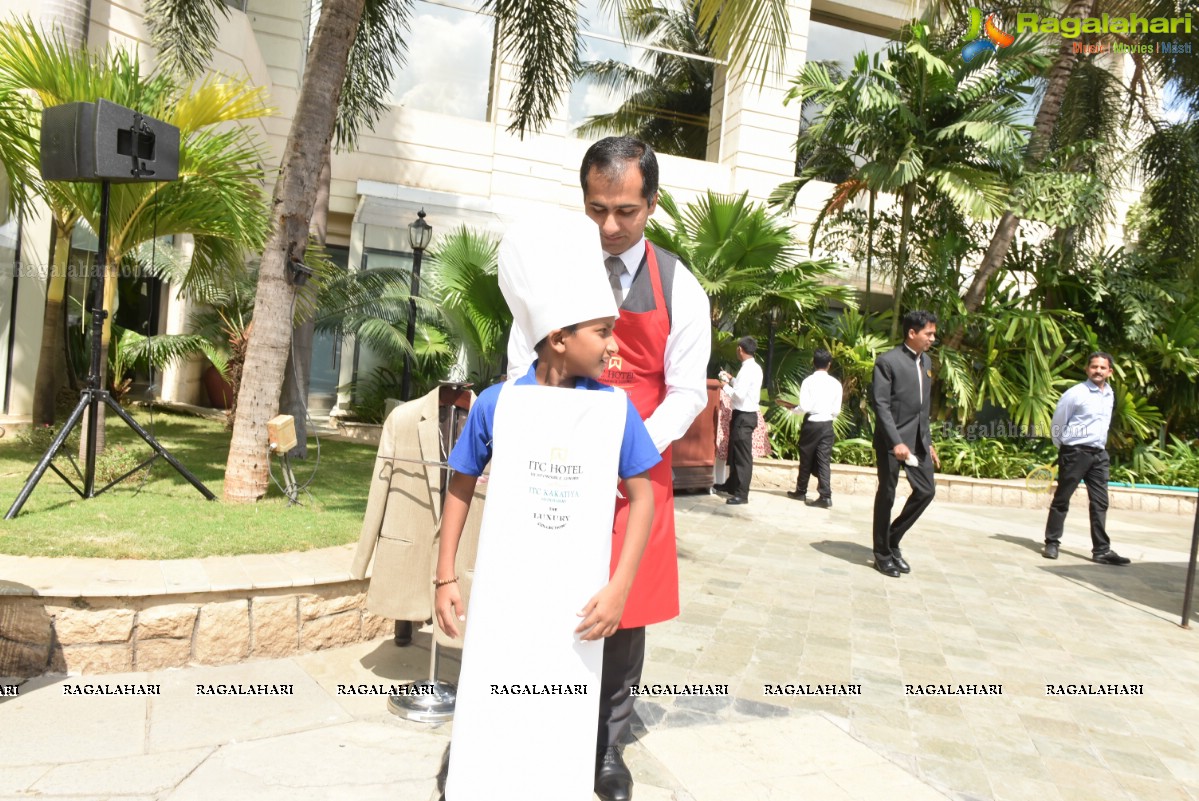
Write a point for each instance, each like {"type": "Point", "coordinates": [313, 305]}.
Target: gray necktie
{"type": "Point", "coordinates": [615, 269]}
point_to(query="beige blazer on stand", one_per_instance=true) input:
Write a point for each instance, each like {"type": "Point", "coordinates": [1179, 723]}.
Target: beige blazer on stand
{"type": "Point", "coordinates": [403, 514]}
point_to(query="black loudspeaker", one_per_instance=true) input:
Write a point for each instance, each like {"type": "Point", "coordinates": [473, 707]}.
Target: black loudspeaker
{"type": "Point", "coordinates": [102, 141]}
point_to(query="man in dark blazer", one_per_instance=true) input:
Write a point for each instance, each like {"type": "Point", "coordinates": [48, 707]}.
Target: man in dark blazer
{"type": "Point", "coordinates": [901, 394]}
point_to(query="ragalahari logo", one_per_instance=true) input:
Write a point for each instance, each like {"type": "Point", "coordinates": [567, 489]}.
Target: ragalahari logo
{"type": "Point", "coordinates": [983, 36]}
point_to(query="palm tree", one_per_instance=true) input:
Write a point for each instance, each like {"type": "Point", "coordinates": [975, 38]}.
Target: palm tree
{"type": "Point", "coordinates": [373, 307]}
{"type": "Point", "coordinates": [464, 284]}
{"type": "Point", "coordinates": [216, 198]}
{"type": "Point", "coordinates": [16, 150]}
{"type": "Point", "coordinates": [667, 105]}
{"type": "Point", "coordinates": [57, 73]}
{"type": "Point", "coordinates": [916, 123]}
{"type": "Point", "coordinates": [749, 264]}
{"type": "Point", "coordinates": [1147, 70]}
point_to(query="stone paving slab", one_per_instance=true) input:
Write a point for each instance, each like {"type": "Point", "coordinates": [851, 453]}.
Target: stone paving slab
{"type": "Point", "coordinates": [773, 593]}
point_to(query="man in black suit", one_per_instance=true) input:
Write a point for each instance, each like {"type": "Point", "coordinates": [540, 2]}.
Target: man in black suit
{"type": "Point", "coordinates": [901, 394]}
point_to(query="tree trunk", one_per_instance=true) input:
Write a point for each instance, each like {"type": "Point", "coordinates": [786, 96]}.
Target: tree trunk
{"type": "Point", "coordinates": [246, 472]}
{"type": "Point", "coordinates": [297, 376]}
{"type": "Point", "coordinates": [71, 18]}
{"type": "Point", "coordinates": [45, 385]}
{"type": "Point", "coordinates": [869, 247]}
{"type": "Point", "coordinates": [901, 264]}
{"type": "Point", "coordinates": [1038, 143]}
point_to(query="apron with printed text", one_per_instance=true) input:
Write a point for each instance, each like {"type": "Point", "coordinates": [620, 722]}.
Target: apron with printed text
{"type": "Point", "coordinates": [638, 368]}
{"type": "Point", "coordinates": [528, 692]}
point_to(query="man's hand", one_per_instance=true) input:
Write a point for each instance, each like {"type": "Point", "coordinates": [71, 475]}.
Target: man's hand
{"type": "Point", "coordinates": [450, 608]}
{"type": "Point", "coordinates": [936, 460]}
{"type": "Point", "coordinates": [601, 615]}
{"type": "Point", "coordinates": [902, 452]}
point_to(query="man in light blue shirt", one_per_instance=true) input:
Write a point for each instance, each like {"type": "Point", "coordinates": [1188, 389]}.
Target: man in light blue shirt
{"type": "Point", "coordinates": [1080, 424]}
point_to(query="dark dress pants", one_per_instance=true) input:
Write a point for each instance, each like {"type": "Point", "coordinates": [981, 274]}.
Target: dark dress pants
{"type": "Point", "coordinates": [624, 656]}
{"type": "Point", "coordinates": [888, 533]}
{"type": "Point", "coordinates": [741, 452]}
{"type": "Point", "coordinates": [815, 456]}
{"type": "Point", "coordinates": [1076, 464]}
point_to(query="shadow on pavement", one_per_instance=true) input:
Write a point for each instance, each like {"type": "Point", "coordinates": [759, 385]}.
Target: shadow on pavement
{"type": "Point", "coordinates": [853, 552]}
{"type": "Point", "coordinates": [411, 662]}
{"type": "Point", "coordinates": [1157, 585]}
{"type": "Point", "coordinates": [1033, 545]}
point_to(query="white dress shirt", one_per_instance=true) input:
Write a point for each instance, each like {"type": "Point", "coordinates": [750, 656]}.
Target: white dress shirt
{"type": "Point", "coordinates": [746, 388]}
{"type": "Point", "coordinates": [688, 348]}
{"type": "Point", "coordinates": [819, 397]}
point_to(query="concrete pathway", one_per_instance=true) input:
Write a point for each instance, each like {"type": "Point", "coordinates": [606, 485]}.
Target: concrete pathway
{"type": "Point", "coordinates": [777, 598]}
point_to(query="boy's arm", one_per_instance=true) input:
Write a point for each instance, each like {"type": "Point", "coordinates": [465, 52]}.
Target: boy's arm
{"type": "Point", "coordinates": [448, 598]}
{"type": "Point", "coordinates": [601, 615]}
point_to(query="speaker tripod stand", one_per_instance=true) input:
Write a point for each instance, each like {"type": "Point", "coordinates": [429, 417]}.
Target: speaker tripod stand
{"type": "Point", "coordinates": [90, 399]}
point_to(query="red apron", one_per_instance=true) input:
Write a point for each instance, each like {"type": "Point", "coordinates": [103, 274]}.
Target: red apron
{"type": "Point", "coordinates": [638, 369]}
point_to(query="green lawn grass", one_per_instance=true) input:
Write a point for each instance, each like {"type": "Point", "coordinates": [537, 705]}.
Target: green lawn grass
{"type": "Point", "coordinates": [167, 518]}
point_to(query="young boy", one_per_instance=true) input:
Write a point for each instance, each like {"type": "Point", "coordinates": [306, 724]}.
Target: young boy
{"type": "Point", "coordinates": [528, 693]}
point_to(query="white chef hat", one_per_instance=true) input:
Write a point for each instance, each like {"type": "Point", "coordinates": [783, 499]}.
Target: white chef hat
{"type": "Point", "coordinates": [552, 273]}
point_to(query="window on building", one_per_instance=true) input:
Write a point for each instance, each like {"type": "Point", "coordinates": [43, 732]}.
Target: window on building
{"type": "Point", "coordinates": [657, 87]}
{"type": "Point", "coordinates": [447, 66]}
{"type": "Point", "coordinates": [326, 354]}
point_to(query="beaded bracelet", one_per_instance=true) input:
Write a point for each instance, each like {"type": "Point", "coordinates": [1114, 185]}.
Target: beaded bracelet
{"type": "Point", "coordinates": [440, 583]}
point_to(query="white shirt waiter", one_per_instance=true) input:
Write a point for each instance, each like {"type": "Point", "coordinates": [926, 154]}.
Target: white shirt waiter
{"type": "Point", "coordinates": [746, 388]}
{"type": "Point", "coordinates": [819, 397]}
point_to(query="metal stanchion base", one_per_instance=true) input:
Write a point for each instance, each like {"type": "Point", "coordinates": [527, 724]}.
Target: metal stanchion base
{"type": "Point", "coordinates": [425, 701]}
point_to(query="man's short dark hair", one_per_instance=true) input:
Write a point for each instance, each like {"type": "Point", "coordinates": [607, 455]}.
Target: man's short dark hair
{"type": "Point", "coordinates": [611, 155]}
{"type": "Point", "coordinates": [1101, 355]}
{"type": "Point", "coordinates": [916, 320]}
{"type": "Point", "coordinates": [748, 344]}
{"type": "Point", "coordinates": [821, 359]}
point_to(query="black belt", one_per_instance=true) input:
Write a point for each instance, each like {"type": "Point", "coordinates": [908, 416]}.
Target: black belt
{"type": "Point", "coordinates": [1092, 449]}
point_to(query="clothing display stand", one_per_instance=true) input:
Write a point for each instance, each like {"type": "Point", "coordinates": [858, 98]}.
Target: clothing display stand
{"type": "Point", "coordinates": [432, 700]}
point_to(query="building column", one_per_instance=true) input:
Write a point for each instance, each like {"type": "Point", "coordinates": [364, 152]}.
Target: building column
{"type": "Point", "coordinates": [751, 132]}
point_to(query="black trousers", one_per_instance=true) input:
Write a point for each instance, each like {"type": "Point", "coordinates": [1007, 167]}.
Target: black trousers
{"type": "Point", "coordinates": [624, 657]}
{"type": "Point", "coordinates": [741, 452]}
{"type": "Point", "coordinates": [887, 532]}
{"type": "Point", "coordinates": [815, 456]}
{"type": "Point", "coordinates": [1075, 464]}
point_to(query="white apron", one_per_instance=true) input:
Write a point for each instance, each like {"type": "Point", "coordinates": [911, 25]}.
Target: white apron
{"type": "Point", "coordinates": [528, 693]}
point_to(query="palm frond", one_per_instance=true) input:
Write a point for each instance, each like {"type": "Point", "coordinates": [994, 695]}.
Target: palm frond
{"type": "Point", "coordinates": [184, 32]}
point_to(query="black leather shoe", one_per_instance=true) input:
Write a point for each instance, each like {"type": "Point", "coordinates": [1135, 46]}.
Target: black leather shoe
{"type": "Point", "coordinates": [1111, 558]}
{"type": "Point", "coordinates": [722, 489]}
{"type": "Point", "coordinates": [887, 568]}
{"type": "Point", "coordinates": [900, 564]}
{"type": "Point", "coordinates": [736, 500]}
{"type": "Point", "coordinates": [822, 503]}
{"type": "Point", "coordinates": [1050, 550]}
{"type": "Point", "coordinates": [613, 782]}
{"type": "Point", "coordinates": [403, 633]}
{"type": "Point", "coordinates": [799, 496]}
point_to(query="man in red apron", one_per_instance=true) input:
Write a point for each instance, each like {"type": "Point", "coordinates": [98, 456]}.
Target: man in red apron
{"type": "Point", "coordinates": [665, 339]}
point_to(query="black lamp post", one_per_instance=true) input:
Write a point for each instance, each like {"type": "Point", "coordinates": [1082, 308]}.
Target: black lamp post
{"type": "Point", "coordinates": [772, 320]}
{"type": "Point", "coordinates": [419, 234]}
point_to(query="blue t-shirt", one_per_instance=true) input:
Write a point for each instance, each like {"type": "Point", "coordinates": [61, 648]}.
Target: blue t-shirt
{"type": "Point", "coordinates": [473, 450]}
